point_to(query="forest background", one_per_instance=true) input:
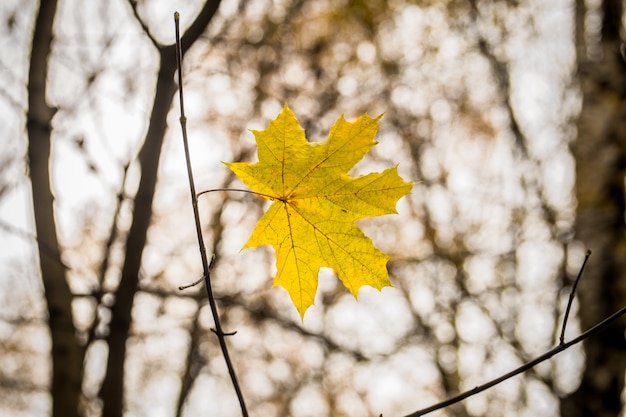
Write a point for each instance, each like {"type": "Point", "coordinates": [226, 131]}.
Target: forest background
{"type": "Point", "coordinates": [510, 116]}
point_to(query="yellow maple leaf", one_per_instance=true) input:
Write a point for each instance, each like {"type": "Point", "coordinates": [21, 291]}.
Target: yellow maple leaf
{"type": "Point", "coordinates": [310, 223]}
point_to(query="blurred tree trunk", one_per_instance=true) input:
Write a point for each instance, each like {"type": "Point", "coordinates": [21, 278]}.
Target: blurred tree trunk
{"type": "Point", "coordinates": [600, 153]}
{"type": "Point", "coordinates": [67, 353]}
{"type": "Point", "coordinates": [112, 390]}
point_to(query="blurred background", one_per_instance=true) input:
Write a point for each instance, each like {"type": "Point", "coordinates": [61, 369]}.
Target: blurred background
{"type": "Point", "coordinates": [509, 116]}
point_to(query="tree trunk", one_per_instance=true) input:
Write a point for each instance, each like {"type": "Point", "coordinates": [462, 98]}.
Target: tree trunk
{"type": "Point", "coordinates": [112, 390]}
{"type": "Point", "coordinates": [113, 385]}
{"type": "Point", "coordinates": [67, 354]}
{"type": "Point", "coordinates": [600, 152]}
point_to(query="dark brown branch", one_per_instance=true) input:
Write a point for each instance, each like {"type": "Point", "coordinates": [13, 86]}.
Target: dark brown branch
{"type": "Point", "coordinates": [572, 294]}
{"type": "Point", "coordinates": [198, 26]}
{"type": "Point", "coordinates": [112, 390]}
{"type": "Point", "coordinates": [221, 336]}
{"type": "Point", "coordinates": [144, 26]}
{"type": "Point", "coordinates": [560, 348]}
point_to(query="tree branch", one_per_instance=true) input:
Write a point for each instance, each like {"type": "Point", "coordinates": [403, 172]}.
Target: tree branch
{"type": "Point", "coordinates": [199, 25]}
{"type": "Point", "coordinates": [560, 348]}
{"type": "Point", "coordinates": [221, 336]}
{"type": "Point", "coordinates": [572, 294]}
{"type": "Point", "coordinates": [144, 27]}
{"type": "Point", "coordinates": [112, 390]}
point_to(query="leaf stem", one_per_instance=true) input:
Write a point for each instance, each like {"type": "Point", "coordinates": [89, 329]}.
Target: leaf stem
{"type": "Point", "coordinates": [269, 197]}
{"type": "Point", "coordinates": [194, 202]}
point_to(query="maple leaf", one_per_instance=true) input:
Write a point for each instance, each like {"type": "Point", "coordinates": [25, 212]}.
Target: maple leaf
{"type": "Point", "coordinates": [310, 223]}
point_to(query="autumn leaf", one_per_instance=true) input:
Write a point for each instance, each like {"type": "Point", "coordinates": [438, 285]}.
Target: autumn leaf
{"type": "Point", "coordinates": [311, 222]}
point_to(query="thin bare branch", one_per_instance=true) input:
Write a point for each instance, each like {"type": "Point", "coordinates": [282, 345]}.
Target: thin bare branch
{"type": "Point", "coordinates": [142, 23]}
{"type": "Point", "coordinates": [558, 349]}
{"type": "Point", "coordinates": [112, 389]}
{"type": "Point", "coordinates": [221, 336]}
{"type": "Point", "coordinates": [198, 26]}
{"type": "Point", "coordinates": [571, 297]}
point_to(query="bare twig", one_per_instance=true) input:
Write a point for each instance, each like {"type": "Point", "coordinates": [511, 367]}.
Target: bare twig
{"type": "Point", "coordinates": [559, 348]}
{"type": "Point", "coordinates": [144, 26]}
{"type": "Point", "coordinates": [571, 297]}
{"type": "Point", "coordinates": [221, 336]}
{"type": "Point", "coordinates": [193, 284]}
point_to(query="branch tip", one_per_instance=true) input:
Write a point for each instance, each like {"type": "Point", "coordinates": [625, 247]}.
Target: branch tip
{"type": "Point", "coordinates": [193, 284]}
{"type": "Point", "coordinates": [192, 34]}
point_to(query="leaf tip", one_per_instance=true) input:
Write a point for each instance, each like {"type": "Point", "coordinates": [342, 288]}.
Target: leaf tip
{"type": "Point", "coordinates": [302, 312]}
